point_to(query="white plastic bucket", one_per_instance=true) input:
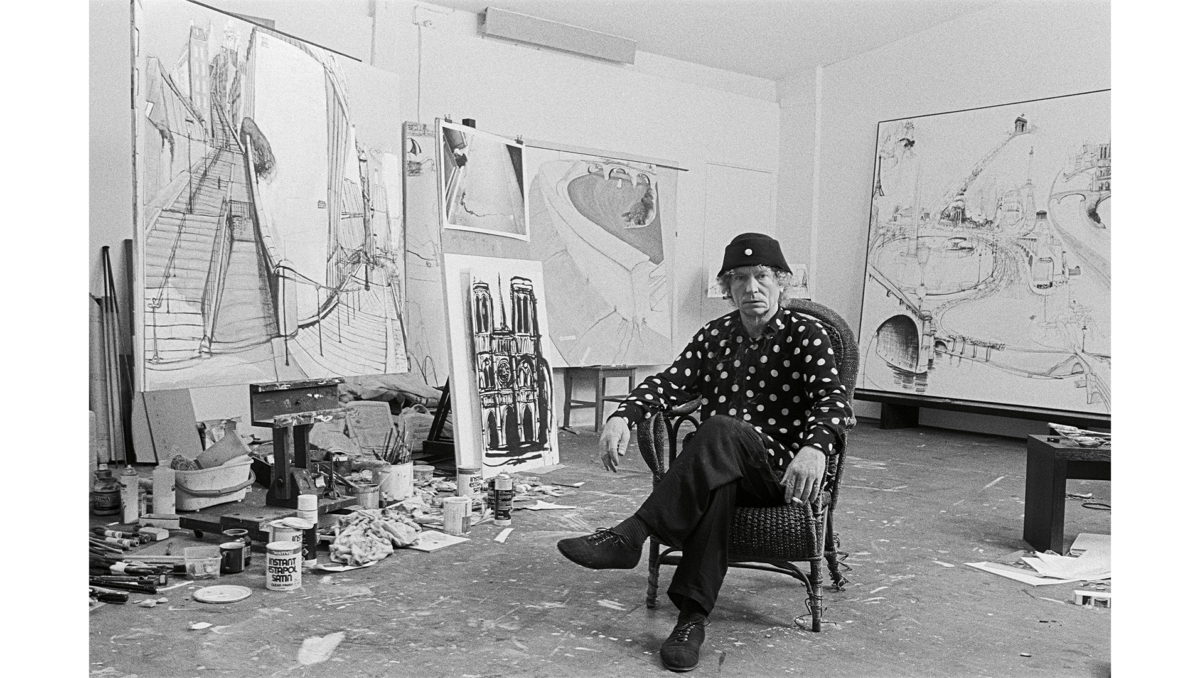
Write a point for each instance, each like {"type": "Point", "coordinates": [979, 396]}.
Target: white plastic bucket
{"type": "Point", "coordinates": [397, 483]}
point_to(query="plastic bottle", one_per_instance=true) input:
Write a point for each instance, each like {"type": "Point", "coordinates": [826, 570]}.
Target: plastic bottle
{"type": "Point", "coordinates": [306, 509]}
{"type": "Point", "coordinates": [129, 495]}
{"type": "Point", "coordinates": [164, 488]}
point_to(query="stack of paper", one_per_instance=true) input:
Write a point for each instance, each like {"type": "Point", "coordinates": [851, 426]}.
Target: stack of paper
{"type": "Point", "coordinates": [1093, 563]}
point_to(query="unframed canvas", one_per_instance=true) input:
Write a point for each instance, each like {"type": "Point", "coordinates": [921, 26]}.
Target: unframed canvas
{"type": "Point", "coordinates": [270, 229]}
{"type": "Point", "coordinates": [597, 224]}
{"type": "Point", "coordinates": [501, 380]}
{"type": "Point", "coordinates": [987, 274]}
{"type": "Point", "coordinates": [481, 186]}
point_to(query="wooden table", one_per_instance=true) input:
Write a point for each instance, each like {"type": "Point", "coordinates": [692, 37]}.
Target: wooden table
{"type": "Point", "coordinates": [1049, 461]}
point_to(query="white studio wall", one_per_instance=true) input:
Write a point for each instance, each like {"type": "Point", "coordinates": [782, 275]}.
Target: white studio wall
{"type": "Point", "coordinates": [1007, 53]}
{"type": "Point", "coordinates": [658, 108]}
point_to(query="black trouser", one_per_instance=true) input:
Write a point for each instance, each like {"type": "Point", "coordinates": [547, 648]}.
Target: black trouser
{"type": "Point", "coordinates": [723, 465]}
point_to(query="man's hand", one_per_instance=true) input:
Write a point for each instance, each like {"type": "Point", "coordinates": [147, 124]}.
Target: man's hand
{"type": "Point", "coordinates": [614, 440]}
{"type": "Point", "coordinates": [802, 479]}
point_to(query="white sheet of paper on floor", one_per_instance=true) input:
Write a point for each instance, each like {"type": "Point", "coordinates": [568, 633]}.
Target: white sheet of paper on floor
{"type": "Point", "coordinates": [1093, 564]}
{"type": "Point", "coordinates": [540, 505]}
{"type": "Point", "coordinates": [1087, 541]}
{"type": "Point", "coordinates": [1023, 576]}
{"type": "Point", "coordinates": [432, 540]}
{"type": "Point", "coordinates": [339, 567]}
{"type": "Point", "coordinates": [503, 534]}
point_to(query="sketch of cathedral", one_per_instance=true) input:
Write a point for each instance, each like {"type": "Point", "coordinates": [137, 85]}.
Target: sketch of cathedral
{"type": "Point", "coordinates": [514, 377]}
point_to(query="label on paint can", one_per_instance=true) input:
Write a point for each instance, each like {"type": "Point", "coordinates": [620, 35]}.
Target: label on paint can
{"type": "Point", "coordinates": [288, 529]}
{"type": "Point", "coordinates": [283, 566]}
{"type": "Point", "coordinates": [470, 483]}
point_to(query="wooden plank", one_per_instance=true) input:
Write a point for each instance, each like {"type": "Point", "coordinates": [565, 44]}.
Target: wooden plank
{"type": "Point", "coordinates": [172, 423]}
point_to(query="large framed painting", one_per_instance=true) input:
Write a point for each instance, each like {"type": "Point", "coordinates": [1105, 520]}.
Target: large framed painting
{"type": "Point", "coordinates": [270, 241]}
{"type": "Point", "coordinates": [987, 277]}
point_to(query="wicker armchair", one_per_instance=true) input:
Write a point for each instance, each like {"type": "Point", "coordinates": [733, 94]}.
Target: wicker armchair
{"type": "Point", "coordinates": [774, 538]}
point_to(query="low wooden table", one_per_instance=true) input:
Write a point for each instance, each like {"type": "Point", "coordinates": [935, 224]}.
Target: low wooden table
{"type": "Point", "coordinates": [1049, 461]}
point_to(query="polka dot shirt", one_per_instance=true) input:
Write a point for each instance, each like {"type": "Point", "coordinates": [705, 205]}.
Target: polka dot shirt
{"type": "Point", "coordinates": [785, 384]}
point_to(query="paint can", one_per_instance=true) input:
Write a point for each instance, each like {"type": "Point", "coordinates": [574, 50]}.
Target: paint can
{"type": "Point", "coordinates": [288, 529]}
{"type": "Point", "coordinates": [456, 515]}
{"type": "Point", "coordinates": [470, 483]}
{"type": "Point", "coordinates": [367, 496]}
{"type": "Point", "coordinates": [233, 557]}
{"type": "Point", "coordinates": [106, 493]}
{"type": "Point", "coordinates": [422, 473]}
{"type": "Point", "coordinates": [283, 566]}
{"type": "Point", "coordinates": [238, 534]}
{"type": "Point", "coordinates": [397, 482]}
{"type": "Point", "coordinates": [502, 496]}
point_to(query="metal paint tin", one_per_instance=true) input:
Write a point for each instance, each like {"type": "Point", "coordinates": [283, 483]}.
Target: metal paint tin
{"type": "Point", "coordinates": [238, 534]}
{"type": "Point", "coordinates": [470, 483]}
{"type": "Point", "coordinates": [283, 566]}
{"type": "Point", "coordinates": [233, 557]}
{"type": "Point", "coordinates": [288, 529]}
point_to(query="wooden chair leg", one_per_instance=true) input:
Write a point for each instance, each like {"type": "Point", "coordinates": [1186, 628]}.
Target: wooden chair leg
{"type": "Point", "coordinates": [652, 584]}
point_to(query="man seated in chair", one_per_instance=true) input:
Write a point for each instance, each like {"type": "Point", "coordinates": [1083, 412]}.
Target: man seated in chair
{"type": "Point", "coordinates": [772, 407]}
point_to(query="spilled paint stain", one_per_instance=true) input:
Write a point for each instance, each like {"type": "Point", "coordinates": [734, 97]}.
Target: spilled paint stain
{"type": "Point", "coordinates": [319, 648]}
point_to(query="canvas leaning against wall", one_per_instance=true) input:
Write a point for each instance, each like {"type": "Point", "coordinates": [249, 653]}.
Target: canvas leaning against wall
{"type": "Point", "coordinates": [501, 380]}
{"type": "Point", "coordinates": [987, 274]}
{"type": "Point", "coordinates": [425, 317]}
{"type": "Point", "coordinates": [270, 239]}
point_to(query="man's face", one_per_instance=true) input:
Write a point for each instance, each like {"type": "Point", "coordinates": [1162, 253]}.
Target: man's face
{"type": "Point", "coordinates": [755, 292]}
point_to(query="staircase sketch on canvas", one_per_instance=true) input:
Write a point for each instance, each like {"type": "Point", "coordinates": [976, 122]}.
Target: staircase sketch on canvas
{"type": "Point", "coordinates": [271, 244]}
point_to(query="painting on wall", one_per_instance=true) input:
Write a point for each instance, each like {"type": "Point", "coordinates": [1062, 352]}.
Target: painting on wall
{"type": "Point", "coordinates": [597, 224]}
{"type": "Point", "coordinates": [501, 380]}
{"type": "Point", "coordinates": [270, 242]}
{"type": "Point", "coordinates": [987, 275]}
{"type": "Point", "coordinates": [425, 308]}
{"type": "Point", "coordinates": [482, 182]}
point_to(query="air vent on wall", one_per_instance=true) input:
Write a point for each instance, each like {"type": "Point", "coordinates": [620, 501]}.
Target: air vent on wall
{"type": "Point", "coordinates": [501, 23]}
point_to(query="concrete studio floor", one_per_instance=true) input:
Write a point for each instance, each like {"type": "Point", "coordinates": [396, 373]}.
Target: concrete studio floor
{"type": "Point", "coordinates": [916, 505]}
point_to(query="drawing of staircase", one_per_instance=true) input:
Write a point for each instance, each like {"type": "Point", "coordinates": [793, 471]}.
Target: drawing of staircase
{"type": "Point", "coordinates": [179, 247]}
{"type": "Point", "coordinates": [357, 336]}
{"type": "Point", "coordinates": [206, 287]}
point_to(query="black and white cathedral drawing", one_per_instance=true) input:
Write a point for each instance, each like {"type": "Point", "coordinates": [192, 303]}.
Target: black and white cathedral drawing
{"type": "Point", "coordinates": [514, 378]}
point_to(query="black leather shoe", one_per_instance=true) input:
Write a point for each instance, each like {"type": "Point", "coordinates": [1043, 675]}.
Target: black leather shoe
{"type": "Point", "coordinates": [603, 550]}
{"type": "Point", "coordinates": [681, 651]}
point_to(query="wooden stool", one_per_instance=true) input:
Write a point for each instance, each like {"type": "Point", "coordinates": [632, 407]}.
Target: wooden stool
{"type": "Point", "coordinates": [603, 374]}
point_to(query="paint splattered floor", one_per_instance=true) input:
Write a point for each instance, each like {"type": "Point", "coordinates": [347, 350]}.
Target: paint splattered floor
{"type": "Point", "coordinates": [916, 505]}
